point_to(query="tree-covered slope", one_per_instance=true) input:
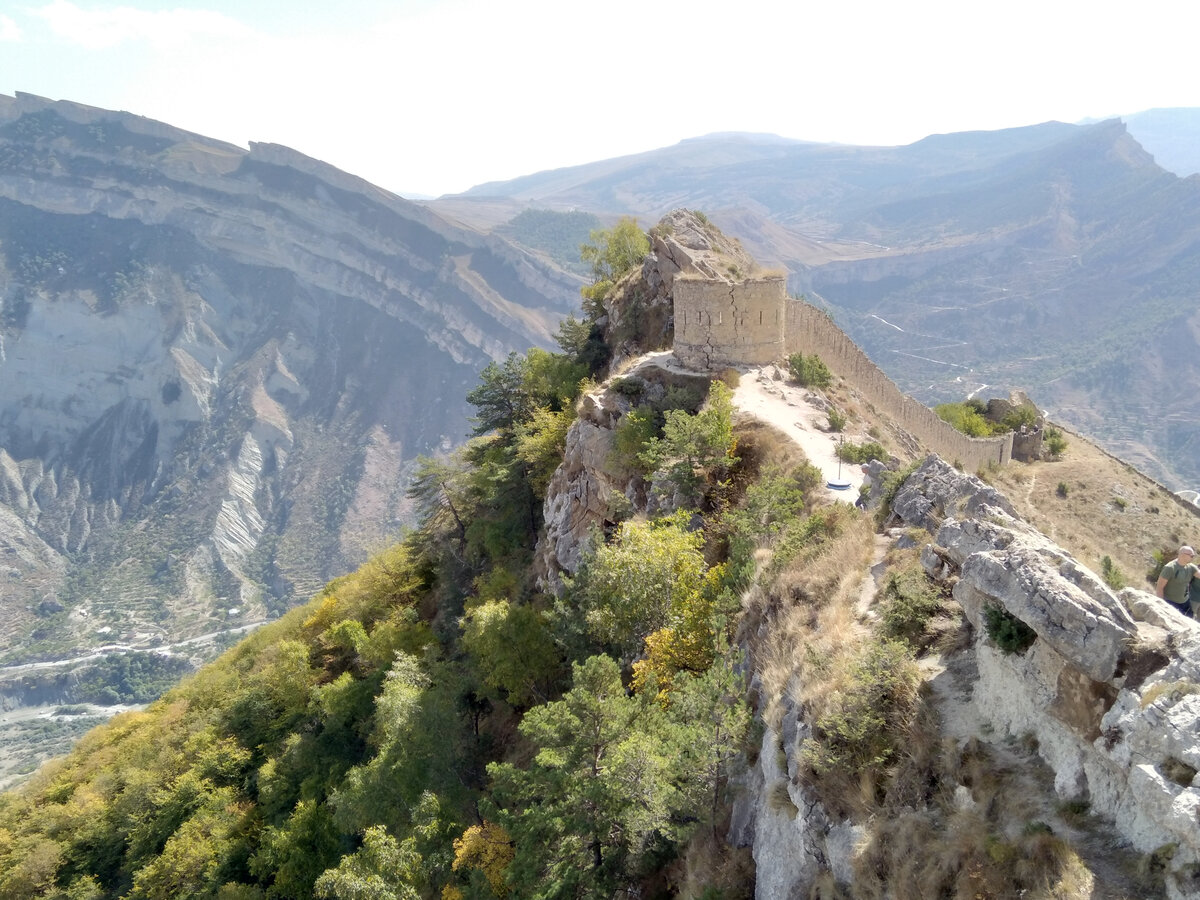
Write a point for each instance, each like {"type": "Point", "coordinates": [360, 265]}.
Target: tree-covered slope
{"type": "Point", "coordinates": [434, 723]}
{"type": "Point", "coordinates": [709, 677]}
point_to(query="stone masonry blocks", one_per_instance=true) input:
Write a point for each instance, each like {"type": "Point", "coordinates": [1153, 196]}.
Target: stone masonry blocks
{"type": "Point", "coordinates": [719, 323]}
{"type": "Point", "coordinates": [809, 330]}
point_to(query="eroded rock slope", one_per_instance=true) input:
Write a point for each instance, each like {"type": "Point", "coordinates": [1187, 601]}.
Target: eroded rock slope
{"type": "Point", "coordinates": [216, 367]}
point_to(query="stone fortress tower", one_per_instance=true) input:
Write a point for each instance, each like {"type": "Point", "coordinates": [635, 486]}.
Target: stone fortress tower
{"type": "Point", "coordinates": [728, 312]}
{"type": "Point", "coordinates": [726, 309]}
{"type": "Point", "coordinates": [730, 323]}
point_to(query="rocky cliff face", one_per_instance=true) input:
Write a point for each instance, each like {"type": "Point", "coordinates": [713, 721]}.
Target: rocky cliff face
{"type": "Point", "coordinates": [1107, 693]}
{"type": "Point", "coordinates": [215, 369]}
{"type": "Point", "coordinates": [1097, 710]}
{"type": "Point", "coordinates": [592, 488]}
{"type": "Point", "coordinates": [588, 487]}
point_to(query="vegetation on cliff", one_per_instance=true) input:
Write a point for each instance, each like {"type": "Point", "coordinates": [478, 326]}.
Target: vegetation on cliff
{"type": "Point", "coordinates": [433, 724]}
{"type": "Point", "coordinates": [436, 725]}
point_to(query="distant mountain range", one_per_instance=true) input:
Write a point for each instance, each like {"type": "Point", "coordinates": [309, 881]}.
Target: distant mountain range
{"type": "Point", "coordinates": [216, 370]}
{"type": "Point", "coordinates": [1171, 135]}
{"type": "Point", "coordinates": [1059, 259]}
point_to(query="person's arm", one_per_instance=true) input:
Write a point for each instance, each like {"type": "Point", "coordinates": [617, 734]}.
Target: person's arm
{"type": "Point", "coordinates": [1162, 583]}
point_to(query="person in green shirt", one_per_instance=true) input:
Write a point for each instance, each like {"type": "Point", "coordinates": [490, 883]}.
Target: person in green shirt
{"type": "Point", "coordinates": [1176, 577]}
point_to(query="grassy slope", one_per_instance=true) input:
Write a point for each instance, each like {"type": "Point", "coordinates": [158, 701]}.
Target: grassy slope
{"type": "Point", "coordinates": [1110, 509]}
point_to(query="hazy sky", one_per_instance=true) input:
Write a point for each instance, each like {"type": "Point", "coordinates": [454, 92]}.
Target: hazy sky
{"type": "Point", "coordinates": [434, 96]}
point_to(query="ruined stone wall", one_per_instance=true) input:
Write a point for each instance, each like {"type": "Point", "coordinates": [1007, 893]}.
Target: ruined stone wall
{"type": "Point", "coordinates": [1028, 446]}
{"type": "Point", "coordinates": [809, 330]}
{"type": "Point", "coordinates": [719, 323]}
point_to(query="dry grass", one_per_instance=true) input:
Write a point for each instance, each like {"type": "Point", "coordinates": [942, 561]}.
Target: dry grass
{"type": "Point", "coordinates": [942, 818]}
{"type": "Point", "coordinates": [948, 819]}
{"type": "Point", "coordinates": [710, 868]}
{"type": "Point", "coordinates": [1174, 690]}
{"type": "Point", "coordinates": [1110, 508]}
{"type": "Point", "coordinates": [761, 445]}
{"type": "Point", "coordinates": [829, 572]}
{"type": "Point", "coordinates": [988, 847]}
{"type": "Point", "coordinates": [976, 820]}
{"type": "Point", "coordinates": [812, 623]}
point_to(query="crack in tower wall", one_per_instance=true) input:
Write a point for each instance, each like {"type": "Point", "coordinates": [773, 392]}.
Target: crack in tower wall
{"type": "Point", "coordinates": [719, 324]}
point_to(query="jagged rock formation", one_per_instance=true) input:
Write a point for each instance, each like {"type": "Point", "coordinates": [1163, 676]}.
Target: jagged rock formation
{"type": "Point", "coordinates": [1104, 692]}
{"type": "Point", "coordinates": [1111, 684]}
{"type": "Point", "coordinates": [638, 317]}
{"type": "Point", "coordinates": [591, 489]}
{"type": "Point", "coordinates": [1108, 692]}
{"type": "Point", "coordinates": [640, 311]}
{"type": "Point", "coordinates": [215, 369]}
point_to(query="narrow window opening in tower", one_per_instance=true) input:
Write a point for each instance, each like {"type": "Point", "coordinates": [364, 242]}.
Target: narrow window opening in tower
{"type": "Point", "coordinates": [760, 317]}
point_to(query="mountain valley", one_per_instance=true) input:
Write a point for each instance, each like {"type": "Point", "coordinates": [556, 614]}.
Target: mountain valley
{"type": "Point", "coordinates": [218, 367]}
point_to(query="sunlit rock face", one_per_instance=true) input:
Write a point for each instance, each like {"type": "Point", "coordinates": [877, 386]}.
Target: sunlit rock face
{"type": "Point", "coordinates": [216, 368]}
{"type": "Point", "coordinates": [1107, 685]}
{"type": "Point", "coordinates": [1106, 691]}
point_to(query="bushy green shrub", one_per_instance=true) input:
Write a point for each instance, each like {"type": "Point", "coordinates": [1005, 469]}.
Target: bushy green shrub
{"type": "Point", "coordinates": [1006, 631]}
{"type": "Point", "coordinates": [965, 417]}
{"type": "Point", "coordinates": [837, 420]}
{"type": "Point", "coordinates": [1158, 559]}
{"type": "Point", "coordinates": [1112, 574]}
{"type": "Point", "coordinates": [697, 447]}
{"type": "Point", "coordinates": [910, 601]}
{"type": "Point", "coordinates": [865, 726]}
{"type": "Point", "coordinates": [1054, 442]}
{"type": "Point", "coordinates": [809, 371]}
{"type": "Point", "coordinates": [891, 482]}
{"type": "Point", "coordinates": [772, 505]}
{"type": "Point", "coordinates": [627, 387]}
{"type": "Point", "coordinates": [799, 535]}
{"type": "Point", "coordinates": [850, 452]}
{"type": "Point", "coordinates": [631, 437]}
{"type": "Point", "coordinates": [1021, 416]}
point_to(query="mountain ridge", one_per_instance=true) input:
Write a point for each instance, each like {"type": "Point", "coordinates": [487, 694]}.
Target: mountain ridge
{"type": "Point", "coordinates": [947, 702]}
{"type": "Point", "coordinates": [198, 334]}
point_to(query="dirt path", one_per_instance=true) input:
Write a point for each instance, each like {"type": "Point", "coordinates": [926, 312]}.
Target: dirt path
{"type": "Point", "coordinates": [871, 582]}
{"type": "Point", "coordinates": [765, 394]}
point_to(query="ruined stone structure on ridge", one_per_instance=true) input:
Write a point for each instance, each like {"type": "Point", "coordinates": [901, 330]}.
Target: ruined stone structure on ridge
{"type": "Point", "coordinates": [750, 322]}
{"type": "Point", "coordinates": [721, 323]}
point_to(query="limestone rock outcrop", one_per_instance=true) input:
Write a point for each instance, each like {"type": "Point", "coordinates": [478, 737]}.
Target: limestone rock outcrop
{"type": "Point", "coordinates": [1107, 694]}
{"type": "Point", "coordinates": [640, 312]}
{"type": "Point", "coordinates": [591, 487]}
{"type": "Point", "coordinates": [1109, 687]}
